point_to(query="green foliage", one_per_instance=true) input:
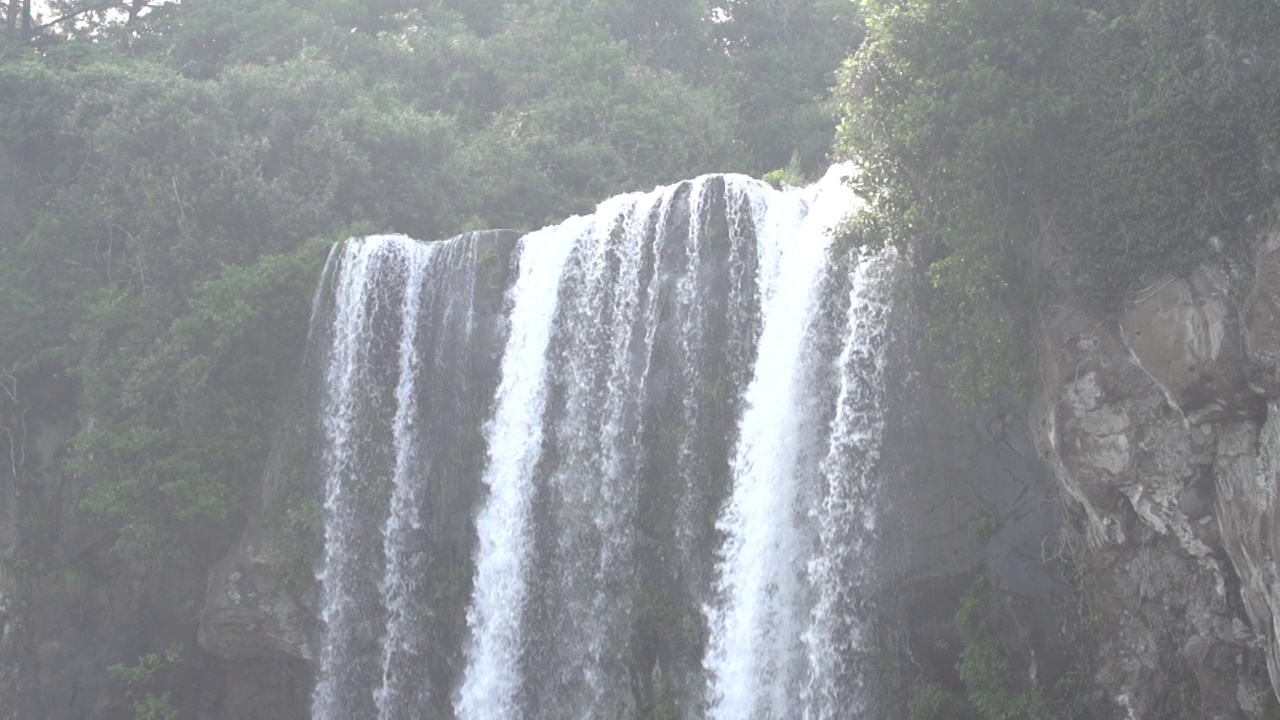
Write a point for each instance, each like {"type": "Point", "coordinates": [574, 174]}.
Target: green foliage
{"type": "Point", "coordinates": [941, 111]}
{"type": "Point", "coordinates": [1184, 117]}
{"type": "Point", "coordinates": [15, 576]}
{"type": "Point", "coordinates": [167, 264]}
{"type": "Point", "coordinates": [983, 528]}
{"type": "Point", "coordinates": [989, 687]}
{"type": "Point", "coordinates": [934, 702]}
{"type": "Point", "coordinates": [985, 670]}
{"type": "Point", "coordinates": [154, 707]}
{"type": "Point", "coordinates": [296, 523]}
{"type": "Point", "coordinates": [141, 676]}
{"type": "Point", "coordinates": [783, 177]}
{"type": "Point", "coordinates": [580, 119]}
{"type": "Point", "coordinates": [1133, 130]}
{"type": "Point", "coordinates": [180, 412]}
{"type": "Point", "coordinates": [1268, 706]}
{"type": "Point", "coordinates": [146, 667]}
{"type": "Point", "coordinates": [783, 55]}
{"type": "Point", "coordinates": [170, 176]}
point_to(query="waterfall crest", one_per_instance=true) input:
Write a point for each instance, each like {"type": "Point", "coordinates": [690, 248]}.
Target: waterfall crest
{"type": "Point", "coordinates": [621, 467]}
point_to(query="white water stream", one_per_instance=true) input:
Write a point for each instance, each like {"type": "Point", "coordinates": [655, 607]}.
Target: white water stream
{"type": "Point", "coordinates": [674, 475]}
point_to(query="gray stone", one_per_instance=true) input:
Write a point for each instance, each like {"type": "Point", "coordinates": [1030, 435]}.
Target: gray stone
{"type": "Point", "coordinates": [1247, 471]}
{"type": "Point", "coordinates": [1262, 317]}
{"type": "Point", "coordinates": [249, 614]}
{"type": "Point", "coordinates": [1185, 334]}
{"type": "Point", "coordinates": [1149, 422]}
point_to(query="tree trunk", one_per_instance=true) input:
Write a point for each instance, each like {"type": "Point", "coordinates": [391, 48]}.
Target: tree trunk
{"type": "Point", "coordinates": [11, 19]}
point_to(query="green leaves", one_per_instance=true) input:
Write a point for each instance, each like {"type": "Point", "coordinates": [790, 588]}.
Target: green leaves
{"type": "Point", "coordinates": [581, 119]}
{"type": "Point", "coordinates": [179, 417]}
{"type": "Point", "coordinates": [1178, 120]}
{"type": "Point", "coordinates": [141, 676]}
{"type": "Point", "coordinates": [942, 106]}
{"type": "Point", "coordinates": [783, 57]}
{"type": "Point", "coordinates": [1135, 125]}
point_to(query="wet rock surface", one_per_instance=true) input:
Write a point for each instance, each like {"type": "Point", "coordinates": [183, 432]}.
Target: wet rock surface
{"type": "Point", "coordinates": [971, 511]}
{"type": "Point", "coordinates": [1262, 318]}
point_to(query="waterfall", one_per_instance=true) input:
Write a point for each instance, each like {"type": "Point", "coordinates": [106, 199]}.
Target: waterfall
{"type": "Point", "coordinates": [625, 466]}
{"type": "Point", "coordinates": [349, 642]}
{"type": "Point", "coordinates": [492, 679]}
{"type": "Point", "coordinates": [403, 398]}
{"type": "Point", "coordinates": [777, 629]}
{"type": "Point", "coordinates": [842, 571]}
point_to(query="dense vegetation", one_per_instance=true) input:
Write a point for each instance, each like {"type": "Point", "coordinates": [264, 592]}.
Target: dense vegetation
{"type": "Point", "coordinates": [1016, 147]}
{"type": "Point", "coordinates": [1139, 133]}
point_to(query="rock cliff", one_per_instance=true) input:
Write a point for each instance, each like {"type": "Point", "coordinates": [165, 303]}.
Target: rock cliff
{"type": "Point", "coordinates": [1159, 422]}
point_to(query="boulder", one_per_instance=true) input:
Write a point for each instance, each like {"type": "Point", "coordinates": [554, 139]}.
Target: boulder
{"type": "Point", "coordinates": [248, 612]}
{"type": "Point", "coordinates": [1186, 335]}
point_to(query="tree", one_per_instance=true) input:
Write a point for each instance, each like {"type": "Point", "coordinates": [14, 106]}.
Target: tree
{"type": "Point", "coordinates": [784, 56]}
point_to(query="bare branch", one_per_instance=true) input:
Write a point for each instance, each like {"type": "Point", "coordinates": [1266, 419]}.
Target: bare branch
{"type": "Point", "coordinates": [99, 7]}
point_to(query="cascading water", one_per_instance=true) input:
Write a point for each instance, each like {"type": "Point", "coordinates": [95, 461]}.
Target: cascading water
{"type": "Point", "coordinates": [404, 395]}
{"type": "Point", "coordinates": [752, 660]}
{"type": "Point", "coordinates": [844, 507]}
{"type": "Point", "coordinates": [632, 474]}
{"type": "Point", "coordinates": [492, 679]}
{"type": "Point", "coordinates": [349, 643]}
{"type": "Point", "coordinates": [775, 593]}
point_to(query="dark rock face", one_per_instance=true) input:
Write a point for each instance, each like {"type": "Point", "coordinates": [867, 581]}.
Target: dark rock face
{"type": "Point", "coordinates": [1262, 318]}
{"type": "Point", "coordinates": [243, 618]}
{"type": "Point", "coordinates": [971, 508]}
{"type": "Point", "coordinates": [67, 610]}
{"type": "Point", "coordinates": [260, 598]}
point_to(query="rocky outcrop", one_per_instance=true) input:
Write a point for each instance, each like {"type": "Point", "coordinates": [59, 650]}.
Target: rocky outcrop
{"type": "Point", "coordinates": [1185, 334]}
{"type": "Point", "coordinates": [248, 613]}
{"type": "Point", "coordinates": [261, 596]}
{"type": "Point", "coordinates": [69, 610]}
{"type": "Point", "coordinates": [1247, 467]}
{"type": "Point", "coordinates": [1160, 423]}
